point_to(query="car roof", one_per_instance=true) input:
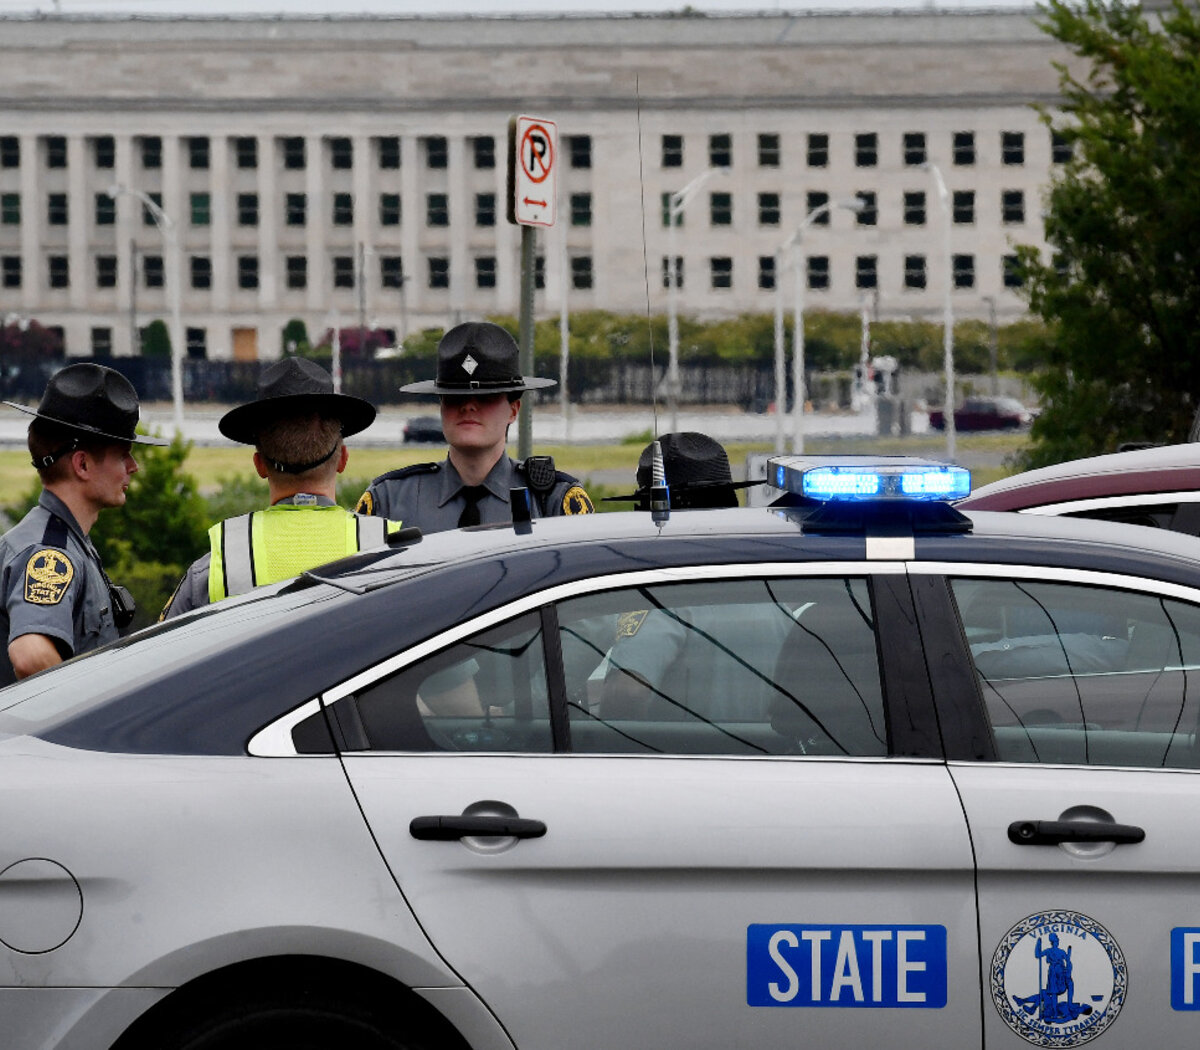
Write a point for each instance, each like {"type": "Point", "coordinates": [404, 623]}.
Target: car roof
{"type": "Point", "coordinates": [1165, 468]}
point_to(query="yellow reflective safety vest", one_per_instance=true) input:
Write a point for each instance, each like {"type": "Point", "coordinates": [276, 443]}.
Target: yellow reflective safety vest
{"type": "Point", "coordinates": [269, 545]}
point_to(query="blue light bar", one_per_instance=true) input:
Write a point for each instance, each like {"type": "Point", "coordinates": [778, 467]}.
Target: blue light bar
{"type": "Point", "coordinates": [856, 478]}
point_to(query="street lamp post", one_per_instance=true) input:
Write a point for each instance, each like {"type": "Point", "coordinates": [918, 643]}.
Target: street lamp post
{"type": "Point", "coordinates": [675, 208]}
{"type": "Point", "coordinates": [166, 228]}
{"type": "Point", "coordinates": [948, 315]}
{"type": "Point", "coordinates": [792, 246]}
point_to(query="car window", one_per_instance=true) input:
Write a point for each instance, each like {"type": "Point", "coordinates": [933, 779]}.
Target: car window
{"type": "Point", "coordinates": [741, 667]}
{"type": "Point", "coordinates": [1085, 675]}
{"type": "Point", "coordinates": [487, 693]}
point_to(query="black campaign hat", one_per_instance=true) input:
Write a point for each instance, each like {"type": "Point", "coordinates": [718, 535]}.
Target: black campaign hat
{"type": "Point", "coordinates": [295, 386]}
{"type": "Point", "coordinates": [91, 399]}
{"type": "Point", "coordinates": [477, 358]}
{"type": "Point", "coordinates": [696, 469]}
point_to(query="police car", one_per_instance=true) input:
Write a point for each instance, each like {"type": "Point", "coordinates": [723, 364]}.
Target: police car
{"type": "Point", "coordinates": [861, 771]}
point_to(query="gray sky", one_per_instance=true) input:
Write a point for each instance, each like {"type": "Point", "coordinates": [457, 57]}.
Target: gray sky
{"type": "Point", "coordinates": [446, 7]}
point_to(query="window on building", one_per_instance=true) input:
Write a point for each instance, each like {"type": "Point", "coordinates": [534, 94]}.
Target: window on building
{"type": "Point", "coordinates": [104, 151]}
{"type": "Point", "coordinates": [483, 148]}
{"type": "Point", "coordinates": [437, 209]}
{"type": "Point", "coordinates": [914, 271]}
{"type": "Point", "coordinates": [766, 272]}
{"type": "Point", "coordinates": [197, 146]}
{"type": "Point", "coordinates": [581, 209]}
{"type": "Point", "coordinates": [1012, 147]}
{"type": "Point", "coordinates": [196, 341]}
{"type": "Point", "coordinates": [151, 152]}
{"type": "Point", "coordinates": [666, 211]}
{"type": "Point", "coordinates": [768, 150]}
{"type": "Point", "coordinates": [581, 271]}
{"type": "Point", "coordinates": [1012, 206]}
{"type": "Point", "coordinates": [200, 205]}
{"type": "Point", "coordinates": [297, 272]}
{"type": "Point", "coordinates": [437, 152]}
{"type": "Point", "coordinates": [1011, 267]}
{"type": "Point", "coordinates": [866, 149]}
{"type": "Point", "coordinates": [56, 151]}
{"type": "Point", "coordinates": [391, 271]}
{"type": "Point", "coordinates": [914, 148]}
{"type": "Point", "coordinates": [485, 271]}
{"type": "Point", "coordinates": [343, 209]}
{"type": "Point", "coordinates": [147, 214]}
{"type": "Point", "coordinates": [813, 201]}
{"type": "Point", "coordinates": [1061, 149]}
{"type": "Point", "coordinates": [914, 208]}
{"type": "Point", "coordinates": [868, 214]}
{"type": "Point", "coordinates": [106, 271]}
{"type": "Point", "coordinates": [152, 271]}
{"type": "Point", "coordinates": [341, 153]}
{"type": "Point", "coordinates": [10, 151]}
{"type": "Point", "coordinates": [388, 150]}
{"type": "Point", "coordinates": [10, 271]}
{"type": "Point", "coordinates": [439, 272]}
{"type": "Point", "coordinates": [56, 209]}
{"type": "Point", "coordinates": [201, 272]}
{"type": "Point", "coordinates": [666, 271]}
{"type": "Point", "coordinates": [720, 269]}
{"type": "Point", "coordinates": [389, 209]}
{"type": "Point", "coordinates": [672, 151]}
{"type": "Point", "coordinates": [58, 271]}
{"type": "Point", "coordinates": [485, 209]}
{"type": "Point", "coordinates": [865, 271]}
{"type": "Point", "coordinates": [720, 150]}
{"type": "Point", "coordinates": [295, 209]}
{"type": "Point", "coordinates": [245, 152]}
{"type": "Point", "coordinates": [964, 271]}
{"type": "Point", "coordinates": [539, 272]}
{"type": "Point", "coordinates": [10, 209]}
{"type": "Point", "coordinates": [768, 209]}
{"type": "Point", "coordinates": [247, 272]}
{"type": "Point", "coordinates": [247, 209]}
{"type": "Point", "coordinates": [579, 149]}
{"type": "Point", "coordinates": [963, 148]}
{"type": "Point", "coordinates": [962, 207]}
{"type": "Point", "coordinates": [294, 158]}
{"type": "Point", "coordinates": [720, 209]}
{"type": "Point", "coordinates": [817, 272]}
{"type": "Point", "coordinates": [101, 342]}
{"type": "Point", "coordinates": [105, 209]}
{"type": "Point", "coordinates": [343, 271]}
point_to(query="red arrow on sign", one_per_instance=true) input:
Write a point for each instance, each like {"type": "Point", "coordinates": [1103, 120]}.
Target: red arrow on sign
{"type": "Point", "coordinates": [530, 200]}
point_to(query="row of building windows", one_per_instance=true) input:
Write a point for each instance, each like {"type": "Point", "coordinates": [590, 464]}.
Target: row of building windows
{"type": "Point", "coordinates": [392, 275]}
{"type": "Point", "coordinates": [437, 208]}
{"type": "Point", "coordinates": [914, 150]}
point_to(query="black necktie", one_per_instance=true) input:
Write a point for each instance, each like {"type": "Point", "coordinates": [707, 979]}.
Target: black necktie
{"type": "Point", "coordinates": [472, 494]}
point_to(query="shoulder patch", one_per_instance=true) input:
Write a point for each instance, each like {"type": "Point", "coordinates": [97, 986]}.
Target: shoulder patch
{"type": "Point", "coordinates": [576, 501]}
{"type": "Point", "coordinates": [629, 623]}
{"type": "Point", "coordinates": [365, 504]}
{"type": "Point", "coordinates": [48, 574]}
{"type": "Point", "coordinates": [406, 472]}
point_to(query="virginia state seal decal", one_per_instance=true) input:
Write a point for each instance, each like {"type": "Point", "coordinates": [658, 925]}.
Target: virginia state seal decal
{"type": "Point", "coordinates": [1059, 979]}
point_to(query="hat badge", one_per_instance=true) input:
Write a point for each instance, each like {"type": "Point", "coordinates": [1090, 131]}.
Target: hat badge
{"type": "Point", "coordinates": [469, 365]}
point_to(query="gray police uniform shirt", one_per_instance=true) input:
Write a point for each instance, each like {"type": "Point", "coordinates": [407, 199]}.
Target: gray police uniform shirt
{"type": "Point", "coordinates": [429, 496]}
{"type": "Point", "coordinates": [53, 584]}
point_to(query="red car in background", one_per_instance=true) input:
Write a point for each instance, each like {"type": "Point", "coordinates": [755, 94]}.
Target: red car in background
{"type": "Point", "coordinates": [1158, 486]}
{"type": "Point", "coordinates": [985, 413]}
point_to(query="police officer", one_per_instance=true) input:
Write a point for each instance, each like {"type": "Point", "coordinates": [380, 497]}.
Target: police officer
{"type": "Point", "coordinates": [480, 385]}
{"type": "Point", "coordinates": [297, 425]}
{"type": "Point", "coordinates": [58, 602]}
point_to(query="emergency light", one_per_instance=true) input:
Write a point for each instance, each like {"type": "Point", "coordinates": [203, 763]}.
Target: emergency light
{"type": "Point", "coordinates": [841, 479]}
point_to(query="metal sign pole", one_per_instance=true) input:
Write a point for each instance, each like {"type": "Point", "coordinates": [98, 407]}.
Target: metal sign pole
{"type": "Point", "coordinates": [525, 419]}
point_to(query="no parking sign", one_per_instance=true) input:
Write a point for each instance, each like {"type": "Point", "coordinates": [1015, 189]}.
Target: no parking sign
{"type": "Point", "coordinates": [532, 167]}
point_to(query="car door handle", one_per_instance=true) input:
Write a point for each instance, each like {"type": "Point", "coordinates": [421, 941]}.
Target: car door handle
{"type": "Point", "coordinates": [1055, 832]}
{"type": "Point", "coordinates": [449, 828]}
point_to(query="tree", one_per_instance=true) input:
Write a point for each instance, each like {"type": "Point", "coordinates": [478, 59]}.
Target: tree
{"type": "Point", "coordinates": [295, 337]}
{"type": "Point", "coordinates": [156, 340]}
{"type": "Point", "coordinates": [1121, 294]}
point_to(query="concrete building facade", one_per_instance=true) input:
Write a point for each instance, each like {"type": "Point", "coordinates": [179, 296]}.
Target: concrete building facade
{"type": "Point", "coordinates": [347, 170]}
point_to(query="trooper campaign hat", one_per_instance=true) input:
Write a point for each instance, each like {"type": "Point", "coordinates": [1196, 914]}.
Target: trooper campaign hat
{"type": "Point", "coordinates": [697, 473]}
{"type": "Point", "coordinates": [295, 386]}
{"type": "Point", "coordinates": [477, 358]}
{"type": "Point", "coordinates": [91, 399]}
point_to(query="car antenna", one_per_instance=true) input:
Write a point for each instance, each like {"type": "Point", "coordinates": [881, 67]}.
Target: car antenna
{"type": "Point", "coordinates": [660, 495]}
